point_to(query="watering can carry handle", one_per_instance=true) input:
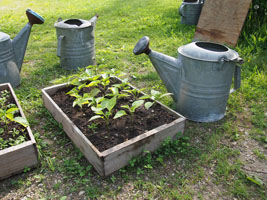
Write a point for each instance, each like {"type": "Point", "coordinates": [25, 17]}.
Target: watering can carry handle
{"type": "Point", "coordinates": [59, 42]}
{"type": "Point", "coordinates": [237, 72]}
{"type": "Point", "coordinates": [237, 78]}
{"type": "Point", "coordinates": [181, 10]}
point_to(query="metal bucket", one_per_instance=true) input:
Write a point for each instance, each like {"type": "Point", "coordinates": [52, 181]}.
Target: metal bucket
{"type": "Point", "coordinates": [190, 11]}
{"type": "Point", "coordinates": [76, 42]}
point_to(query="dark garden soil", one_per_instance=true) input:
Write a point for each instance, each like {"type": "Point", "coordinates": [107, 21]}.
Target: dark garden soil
{"type": "Point", "coordinates": [119, 130]}
{"type": "Point", "coordinates": [11, 126]}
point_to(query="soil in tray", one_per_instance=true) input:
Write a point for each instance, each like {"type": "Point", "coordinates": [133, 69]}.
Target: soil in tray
{"type": "Point", "coordinates": [118, 130]}
{"type": "Point", "coordinates": [14, 133]}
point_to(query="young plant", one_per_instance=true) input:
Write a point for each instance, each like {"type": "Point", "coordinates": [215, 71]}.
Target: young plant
{"type": "Point", "coordinates": [133, 107]}
{"type": "Point", "coordinates": [7, 112]}
{"type": "Point", "coordinates": [155, 96]}
{"type": "Point", "coordinates": [134, 92]}
{"type": "Point", "coordinates": [116, 93]}
{"type": "Point", "coordinates": [87, 98]}
{"type": "Point", "coordinates": [104, 110]}
{"type": "Point", "coordinates": [123, 85]}
{"type": "Point", "coordinates": [6, 115]}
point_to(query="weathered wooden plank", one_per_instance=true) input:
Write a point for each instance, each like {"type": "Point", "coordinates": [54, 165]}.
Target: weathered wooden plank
{"type": "Point", "coordinates": [120, 155]}
{"type": "Point", "coordinates": [14, 159]}
{"type": "Point", "coordinates": [222, 21]}
{"type": "Point", "coordinates": [78, 138]}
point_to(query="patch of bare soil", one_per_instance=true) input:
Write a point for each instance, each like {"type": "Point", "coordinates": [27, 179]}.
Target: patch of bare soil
{"type": "Point", "coordinates": [105, 136]}
{"type": "Point", "coordinates": [253, 164]}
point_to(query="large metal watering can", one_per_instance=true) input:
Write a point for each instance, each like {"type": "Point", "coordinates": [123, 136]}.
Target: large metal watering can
{"type": "Point", "coordinates": [76, 42]}
{"type": "Point", "coordinates": [12, 51]}
{"type": "Point", "coordinates": [200, 78]}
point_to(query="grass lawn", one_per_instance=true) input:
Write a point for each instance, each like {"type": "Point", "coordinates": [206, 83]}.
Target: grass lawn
{"type": "Point", "coordinates": [221, 160]}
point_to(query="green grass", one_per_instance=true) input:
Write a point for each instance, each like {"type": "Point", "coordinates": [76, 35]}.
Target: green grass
{"type": "Point", "coordinates": [201, 162]}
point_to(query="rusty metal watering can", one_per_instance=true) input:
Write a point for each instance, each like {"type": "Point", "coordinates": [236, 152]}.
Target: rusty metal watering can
{"type": "Point", "coordinates": [200, 78]}
{"type": "Point", "coordinates": [76, 42]}
{"type": "Point", "coordinates": [12, 51]}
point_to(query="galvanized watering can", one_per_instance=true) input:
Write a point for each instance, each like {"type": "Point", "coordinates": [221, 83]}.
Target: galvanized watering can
{"type": "Point", "coordinates": [12, 51]}
{"type": "Point", "coordinates": [200, 78]}
{"type": "Point", "coordinates": [190, 11]}
{"type": "Point", "coordinates": [76, 42]}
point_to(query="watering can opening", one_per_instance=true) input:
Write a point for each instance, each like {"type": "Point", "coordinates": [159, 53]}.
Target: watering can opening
{"type": "Point", "coordinates": [212, 46]}
{"type": "Point", "coordinates": [76, 22]}
{"type": "Point", "coordinates": [190, 1]}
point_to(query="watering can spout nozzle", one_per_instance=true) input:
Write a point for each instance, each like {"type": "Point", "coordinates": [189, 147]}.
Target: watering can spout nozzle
{"type": "Point", "coordinates": [142, 46]}
{"type": "Point", "coordinates": [33, 17]}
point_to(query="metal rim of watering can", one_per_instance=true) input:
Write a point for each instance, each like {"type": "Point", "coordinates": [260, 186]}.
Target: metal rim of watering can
{"type": "Point", "coordinates": [80, 23]}
{"type": "Point", "coordinates": [195, 51]}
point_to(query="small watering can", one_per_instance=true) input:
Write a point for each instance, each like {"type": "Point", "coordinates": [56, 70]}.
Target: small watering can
{"type": "Point", "coordinates": [76, 42]}
{"type": "Point", "coordinates": [190, 11]}
{"type": "Point", "coordinates": [12, 51]}
{"type": "Point", "coordinates": [200, 78]}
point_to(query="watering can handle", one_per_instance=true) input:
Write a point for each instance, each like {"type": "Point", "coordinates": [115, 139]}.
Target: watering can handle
{"type": "Point", "coordinates": [59, 42]}
{"type": "Point", "coordinates": [181, 10]}
{"type": "Point", "coordinates": [237, 78]}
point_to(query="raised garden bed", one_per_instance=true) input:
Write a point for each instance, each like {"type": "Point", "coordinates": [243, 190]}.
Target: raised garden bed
{"type": "Point", "coordinates": [15, 158]}
{"type": "Point", "coordinates": [111, 148]}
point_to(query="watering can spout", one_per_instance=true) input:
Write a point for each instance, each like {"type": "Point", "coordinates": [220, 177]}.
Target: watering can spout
{"type": "Point", "coordinates": [168, 68]}
{"type": "Point", "coordinates": [19, 43]}
{"type": "Point", "coordinates": [94, 19]}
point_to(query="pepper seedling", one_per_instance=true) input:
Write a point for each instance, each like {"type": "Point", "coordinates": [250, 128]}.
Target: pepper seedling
{"type": "Point", "coordinates": [133, 107]}
{"type": "Point", "coordinates": [155, 96]}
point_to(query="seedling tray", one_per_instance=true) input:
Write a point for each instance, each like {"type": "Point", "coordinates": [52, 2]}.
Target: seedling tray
{"type": "Point", "coordinates": [15, 159]}
{"type": "Point", "coordinates": [116, 157]}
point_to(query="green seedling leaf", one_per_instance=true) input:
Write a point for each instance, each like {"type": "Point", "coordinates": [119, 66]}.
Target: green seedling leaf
{"type": "Point", "coordinates": [114, 90]}
{"type": "Point", "coordinates": [79, 102]}
{"type": "Point", "coordinates": [73, 93]}
{"type": "Point", "coordinates": [10, 116]}
{"type": "Point", "coordinates": [21, 120]}
{"type": "Point", "coordinates": [123, 95]}
{"type": "Point", "coordinates": [137, 104]}
{"type": "Point", "coordinates": [99, 99]}
{"type": "Point", "coordinates": [93, 83]}
{"type": "Point", "coordinates": [125, 106]}
{"type": "Point", "coordinates": [12, 110]}
{"type": "Point", "coordinates": [255, 180]}
{"type": "Point", "coordinates": [96, 109]}
{"type": "Point", "coordinates": [155, 93]}
{"type": "Point", "coordinates": [81, 86]}
{"type": "Point", "coordinates": [109, 103]}
{"type": "Point", "coordinates": [105, 76]}
{"type": "Point", "coordinates": [75, 82]}
{"type": "Point", "coordinates": [119, 114]}
{"type": "Point", "coordinates": [166, 94]}
{"type": "Point", "coordinates": [95, 117]}
{"type": "Point", "coordinates": [94, 78]}
{"type": "Point", "coordinates": [148, 104]}
{"type": "Point", "coordinates": [94, 92]}
{"type": "Point", "coordinates": [145, 97]}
